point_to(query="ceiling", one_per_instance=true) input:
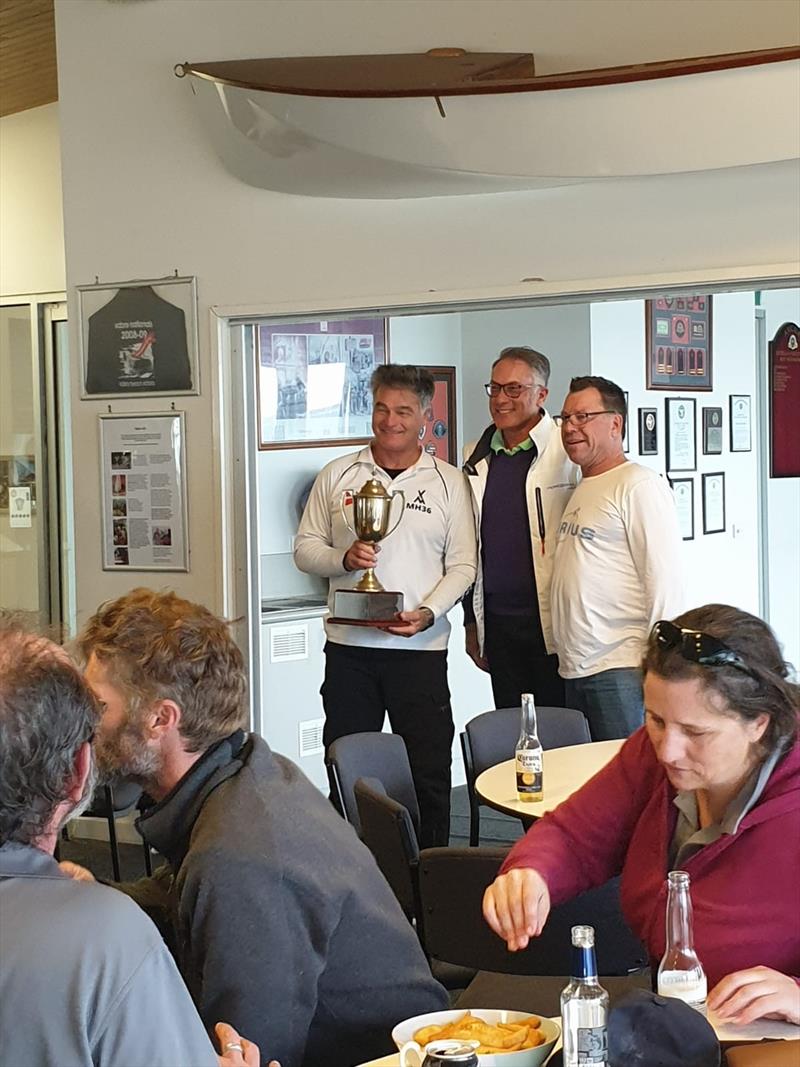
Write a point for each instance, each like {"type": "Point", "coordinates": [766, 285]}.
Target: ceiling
{"type": "Point", "coordinates": [28, 75]}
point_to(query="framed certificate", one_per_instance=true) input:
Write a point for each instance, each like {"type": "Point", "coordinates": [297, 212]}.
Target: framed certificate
{"type": "Point", "coordinates": [740, 424]}
{"type": "Point", "coordinates": [712, 431]}
{"type": "Point", "coordinates": [681, 434]}
{"type": "Point", "coordinates": [714, 503]}
{"type": "Point", "coordinates": [683, 491]}
{"type": "Point", "coordinates": [648, 432]}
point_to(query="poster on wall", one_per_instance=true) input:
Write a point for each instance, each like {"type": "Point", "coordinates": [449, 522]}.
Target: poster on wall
{"type": "Point", "coordinates": [143, 474]}
{"type": "Point", "coordinates": [17, 471]}
{"type": "Point", "coordinates": [438, 435]}
{"type": "Point", "coordinates": [784, 402]}
{"type": "Point", "coordinates": [313, 381]}
{"type": "Point", "coordinates": [678, 342]}
{"type": "Point", "coordinates": [138, 338]}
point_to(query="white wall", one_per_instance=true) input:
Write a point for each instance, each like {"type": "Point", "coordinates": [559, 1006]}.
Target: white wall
{"type": "Point", "coordinates": [144, 194]}
{"type": "Point", "coordinates": [618, 352]}
{"type": "Point", "coordinates": [31, 225]}
{"type": "Point", "coordinates": [783, 510]}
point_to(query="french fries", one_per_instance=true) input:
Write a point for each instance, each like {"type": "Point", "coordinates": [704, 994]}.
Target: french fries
{"type": "Point", "coordinates": [504, 1037]}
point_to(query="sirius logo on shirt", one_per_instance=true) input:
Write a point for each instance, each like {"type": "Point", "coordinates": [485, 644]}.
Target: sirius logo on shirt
{"type": "Point", "coordinates": [570, 527]}
{"type": "Point", "coordinates": [418, 503]}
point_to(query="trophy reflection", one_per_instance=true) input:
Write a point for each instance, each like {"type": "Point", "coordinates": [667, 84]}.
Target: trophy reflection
{"type": "Point", "coordinates": [368, 603]}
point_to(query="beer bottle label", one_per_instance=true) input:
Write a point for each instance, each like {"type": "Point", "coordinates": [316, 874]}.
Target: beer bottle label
{"type": "Point", "coordinates": [529, 770]}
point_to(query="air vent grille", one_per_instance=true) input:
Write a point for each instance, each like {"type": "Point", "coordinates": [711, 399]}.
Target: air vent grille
{"type": "Point", "coordinates": [310, 737]}
{"type": "Point", "coordinates": [288, 642]}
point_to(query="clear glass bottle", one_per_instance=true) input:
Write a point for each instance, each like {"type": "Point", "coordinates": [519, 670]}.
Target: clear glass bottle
{"type": "Point", "coordinates": [584, 1007]}
{"type": "Point", "coordinates": [528, 755]}
{"type": "Point", "coordinates": [680, 973]}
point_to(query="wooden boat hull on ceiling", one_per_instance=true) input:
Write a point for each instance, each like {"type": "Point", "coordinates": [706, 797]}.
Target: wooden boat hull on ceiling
{"type": "Point", "coordinates": [398, 147]}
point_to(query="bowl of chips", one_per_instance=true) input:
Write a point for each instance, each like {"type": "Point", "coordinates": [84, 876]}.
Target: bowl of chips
{"type": "Point", "coordinates": [504, 1038]}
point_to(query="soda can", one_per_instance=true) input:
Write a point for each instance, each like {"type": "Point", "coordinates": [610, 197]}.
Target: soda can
{"type": "Point", "coordinates": [450, 1054]}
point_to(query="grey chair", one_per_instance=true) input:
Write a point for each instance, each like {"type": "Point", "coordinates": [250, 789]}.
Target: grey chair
{"type": "Point", "coordinates": [371, 755]}
{"type": "Point", "coordinates": [389, 834]}
{"type": "Point", "coordinates": [452, 882]}
{"type": "Point", "coordinates": [490, 738]}
{"type": "Point", "coordinates": [111, 802]}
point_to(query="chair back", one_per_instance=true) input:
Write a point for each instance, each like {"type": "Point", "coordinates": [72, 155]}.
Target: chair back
{"type": "Point", "coordinates": [452, 882]}
{"type": "Point", "coordinates": [371, 755]}
{"type": "Point", "coordinates": [389, 834]}
{"type": "Point", "coordinates": [490, 738]}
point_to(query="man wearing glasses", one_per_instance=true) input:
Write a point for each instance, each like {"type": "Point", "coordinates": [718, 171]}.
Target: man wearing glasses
{"type": "Point", "coordinates": [520, 479]}
{"type": "Point", "coordinates": [618, 564]}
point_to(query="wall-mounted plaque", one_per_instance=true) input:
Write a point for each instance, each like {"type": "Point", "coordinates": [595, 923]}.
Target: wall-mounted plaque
{"type": "Point", "coordinates": [714, 503]}
{"type": "Point", "coordinates": [683, 491]}
{"type": "Point", "coordinates": [678, 342]}
{"type": "Point", "coordinates": [681, 434]}
{"type": "Point", "coordinates": [741, 431]}
{"type": "Point", "coordinates": [712, 431]}
{"type": "Point", "coordinates": [784, 402]}
{"type": "Point", "coordinates": [648, 432]}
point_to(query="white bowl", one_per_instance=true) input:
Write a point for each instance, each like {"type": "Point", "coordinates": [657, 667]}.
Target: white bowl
{"type": "Point", "coordinates": [529, 1057]}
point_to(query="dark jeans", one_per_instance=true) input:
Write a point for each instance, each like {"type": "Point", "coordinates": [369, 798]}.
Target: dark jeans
{"type": "Point", "coordinates": [363, 684]}
{"type": "Point", "coordinates": [612, 701]}
{"type": "Point", "coordinates": [519, 664]}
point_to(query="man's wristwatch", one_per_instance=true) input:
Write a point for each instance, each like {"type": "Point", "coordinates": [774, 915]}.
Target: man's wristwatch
{"type": "Point", "coordinates": [431, 618]}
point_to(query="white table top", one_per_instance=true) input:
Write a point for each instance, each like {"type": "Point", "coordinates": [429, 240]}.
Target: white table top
{"type": "Point", "coordinates": [565, 770]}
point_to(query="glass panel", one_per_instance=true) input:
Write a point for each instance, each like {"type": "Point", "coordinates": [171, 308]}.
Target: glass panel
{"type": "Point", "coordinates": [20, 510]}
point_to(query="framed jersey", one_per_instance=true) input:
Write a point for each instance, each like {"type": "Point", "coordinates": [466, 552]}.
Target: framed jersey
{"type": "Point", "coordinates": [139, 338]}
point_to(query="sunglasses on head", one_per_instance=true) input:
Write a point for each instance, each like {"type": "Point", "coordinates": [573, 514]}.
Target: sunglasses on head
{"type": "Point", "coordinates": [698, 647]}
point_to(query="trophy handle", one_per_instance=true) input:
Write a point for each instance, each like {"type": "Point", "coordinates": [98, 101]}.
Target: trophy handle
{"type": "Point", "coordinates": [397, 492]}
{"type": "Point", "coordinates": [346, 493]}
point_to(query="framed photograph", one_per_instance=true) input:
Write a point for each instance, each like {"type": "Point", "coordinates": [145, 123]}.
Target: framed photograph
{"type": "Point", "coordinates": [648, 432]}
{"type": "Point", "coordinates": [143, 492]}
{"type": "Point", "coordinates": [313, 381]}
{"type": "Point", "coordinates": [139, 339]}
{"type": "Point", "coordinates": [714, 503]}
{"type": "Point", "coordinates": [678, 342]}
{"type": "Point", "coordinates": [683, 491]}
{"type": "Point", "coordinates": [681, 434]}
{"type": "Point", "coordinates": [741, 431]}
{"type": "Point", "coordinates": [712, 431]}
{"type": "Point", "coordinates": [438, 436]}
{"type": "Point", "coordinates": [784, 402]}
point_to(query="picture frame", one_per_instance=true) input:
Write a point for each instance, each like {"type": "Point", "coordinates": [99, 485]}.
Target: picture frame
{"type": "Point", "coordinates": [714, 502]}
{"type": "Point", "coordinates": [313, 380]}
{"type": "Point", "coordinates": [143, 492]}
{"type": "Point", "coordinates": [681, 433]}
{"type": "Point", "coordinates": [712, 431]}
{"type": "Point", "coordinates": [683, 492]}
{"type": "Point", "coordinates": [138, 339]}
{"type": "Point", "coordinates": [648, 431]}
{"type": "Point", "coordinates": [678, 342]}
{"type": "Point", "coordinates": [784, 402]}
{"type": "Point", "coordinates": [741, 431]}
{"type": "Point", "coordinates": [439, 436]}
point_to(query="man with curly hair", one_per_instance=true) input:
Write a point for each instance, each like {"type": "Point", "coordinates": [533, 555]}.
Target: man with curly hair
{"type": "Point", "coordinates": [281, 921]}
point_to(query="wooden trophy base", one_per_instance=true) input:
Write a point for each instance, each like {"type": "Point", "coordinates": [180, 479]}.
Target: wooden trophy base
{"type": "Point", "coordinates": [352, 608]}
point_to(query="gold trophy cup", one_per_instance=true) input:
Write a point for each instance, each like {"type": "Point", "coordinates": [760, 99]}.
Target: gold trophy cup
{"type": "Point", "coordinates": [368, 603]}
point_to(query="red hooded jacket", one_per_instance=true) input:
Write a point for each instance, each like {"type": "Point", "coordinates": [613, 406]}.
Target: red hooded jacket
{"type": "Point", "coordinates": [745, 886]}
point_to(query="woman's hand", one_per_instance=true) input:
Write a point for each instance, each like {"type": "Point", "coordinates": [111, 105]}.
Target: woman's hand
{"type": "Point", "coordinates": [756, 993]}
{"type": "Point", "coordinates": [516, 906]}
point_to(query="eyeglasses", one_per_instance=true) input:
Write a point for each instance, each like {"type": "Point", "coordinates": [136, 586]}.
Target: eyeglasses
{"type": "Point", "coordinates": [512, 389]}
{"type": "Point", "coordinates": [697, 647]}
{"type": "Point", "coordinates": [580, 417]}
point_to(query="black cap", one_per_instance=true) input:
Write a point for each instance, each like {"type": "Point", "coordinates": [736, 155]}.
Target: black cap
{"type": "Point", "coordinates": [646, 1030]}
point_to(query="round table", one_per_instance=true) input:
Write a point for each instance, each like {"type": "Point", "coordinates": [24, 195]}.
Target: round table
{"type": "Point", "coordinates": [565, 770]}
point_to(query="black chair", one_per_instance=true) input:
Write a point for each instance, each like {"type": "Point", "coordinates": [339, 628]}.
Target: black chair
{"type": "Point", "coordinates": [452, 882]}
{"type": "Point", "coordinates": [490, 738]}
{"type": "Point", "coordinates": [389, 834]}
{"type": "Point", "coordinates": [111, 802]}
{"type": "Point", "coordinates": [371, 755]}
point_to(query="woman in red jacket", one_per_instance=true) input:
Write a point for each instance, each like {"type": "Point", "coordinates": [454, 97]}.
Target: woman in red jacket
{"type": "Point", "coordinates": [711, 785]}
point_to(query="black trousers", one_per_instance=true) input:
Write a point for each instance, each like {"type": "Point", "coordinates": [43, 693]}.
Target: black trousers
{"type": "Point", "coordinates": [363, 684]}
{"type": "Point", "coordinates": [519, 664]}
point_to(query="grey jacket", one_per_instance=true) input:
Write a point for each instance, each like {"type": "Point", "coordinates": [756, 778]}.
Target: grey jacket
{"type": "Point", "coordinates": [283, 924]}
{"type": "Point", "coordinates": [85, 980]}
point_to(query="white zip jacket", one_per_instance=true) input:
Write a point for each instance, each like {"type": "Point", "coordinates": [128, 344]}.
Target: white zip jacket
{"type": "Point", "coordinates": [430, 557]}
{"type": "Point", "coordinates": [552, 472]}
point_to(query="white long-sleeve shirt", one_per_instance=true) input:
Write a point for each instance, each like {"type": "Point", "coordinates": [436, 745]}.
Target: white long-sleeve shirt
{"type": "Point", "coordinates": [430, 557]}
{"type": "Point", "coordinates": [617, 571]}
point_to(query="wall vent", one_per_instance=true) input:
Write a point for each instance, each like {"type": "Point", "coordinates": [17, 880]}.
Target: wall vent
{"type": "Point", "coordinates": [288, 642]}
{"type": "Point", "coordinates": [310, 737]}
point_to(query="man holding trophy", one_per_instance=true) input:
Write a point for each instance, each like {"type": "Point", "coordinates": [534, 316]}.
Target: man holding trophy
{"type": "Point", "coordinates": [386, 652]}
